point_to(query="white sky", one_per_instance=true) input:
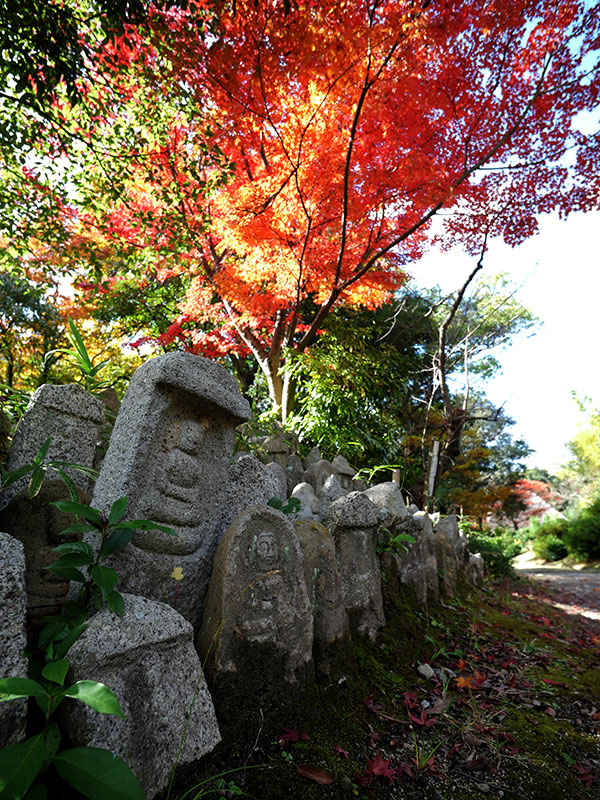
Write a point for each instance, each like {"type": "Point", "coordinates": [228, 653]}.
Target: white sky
{"type": "Point", "coordinates": [560, 269]}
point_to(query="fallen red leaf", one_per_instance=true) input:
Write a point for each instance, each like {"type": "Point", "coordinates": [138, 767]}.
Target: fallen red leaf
{"type": "Point", "coordinates": [316, 774]}
{"type": "Point", "coordinates": [291, 736]}
{"type": "Point", "coordinates": [380, 767]}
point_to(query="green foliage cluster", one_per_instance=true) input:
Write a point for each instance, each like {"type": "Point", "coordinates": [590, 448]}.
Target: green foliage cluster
{"type": "Point", "coordinates": [577, 535]}
{"type": "Point", "coordinates": [95, 773]}
{"type": "Point", "coordinates": [498, 548]}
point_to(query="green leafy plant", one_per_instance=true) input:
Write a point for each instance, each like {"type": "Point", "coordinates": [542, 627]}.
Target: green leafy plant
{"type": "Point", "coordinates": [397, 544]}
{"type": "Point", "coordinates": [95, 773]}
{"type": "Point", "coordinates": [292, 506]}
{"type": "Point", "coordinates": [83, 362]}
{"type": "Point", "coordinates": [38, 468]}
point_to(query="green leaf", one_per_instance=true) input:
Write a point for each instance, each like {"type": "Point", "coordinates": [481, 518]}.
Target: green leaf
{"type": "Point", "coordinates": [115, 602]}
{"type": "Point", "coordinates": [146, 525]}
{"type": "Point", "coordinates": [98, 774]}
{"type": "Point", "coordinates": [67, 573]}
{"type": "Point", "coordinates": [80, 510]}
{"type": "Point", "coordinates": [51, 631]}
{"type": "Point", "coordinates": [69, 640]}
{"type": "Point", "coordinates": [13, 688]}
{"type": "Point", "coordinates": [96, 695]}
{"type": "Point", "coordinates": [36, 481]}
{"type": "Point", "coordinates": [72, 560]}
{"type": "Point", "coordinates": [117, 511]}
{"type": "Point", "coordinates": [19, 766]}
{"type": "Point", "coordinates": [52, 742]}
{"type": "Point", "coordinates": [75, 547]}
{"type": "Point", "coordinates": [105, 579]}
{"type": "Point", "coordinates": [56, 671]}
{"type": "Point", "coordinates": [42, 452]}
{"type": "Point", "coordinates": [116, 541]}
{"type": "Point", "coordinates": [69, 483]}
{"type": "Point", "coordinates": [275, 502]}
{"type": "Point", "coordinates": [8, 478]}
{"type": "Point", "coordinates": [75, 338]}
{"type": "Point", "coordinates": [79, 527]}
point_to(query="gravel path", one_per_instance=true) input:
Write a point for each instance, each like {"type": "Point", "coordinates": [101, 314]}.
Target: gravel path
{"type": "Point", "coordinates": [577, 590]}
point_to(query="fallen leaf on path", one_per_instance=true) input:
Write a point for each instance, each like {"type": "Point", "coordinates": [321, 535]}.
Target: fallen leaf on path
{"type": "Point", "coordinates": [316, 774]}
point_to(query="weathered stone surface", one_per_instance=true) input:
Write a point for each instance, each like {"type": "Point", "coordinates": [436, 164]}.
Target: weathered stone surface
{"type": "Point", "coordinates": [309, 504]}
{"type": "Point", "coordinates": [449, 525]}
{"type": "Point", "coordinates": [410, 568]}
{"type": "Point", "coordinates": [294, 472]}
{"type": "Point", "coordinates": [12, 635]}
{"type": "Point", "coordinates": [446, 560]}
{"type": "Point", "coordinates": [258, 590]}
{"type": "Point", "coordinates": [353, 522]}
{"type": "Point", "coordinates": [277, 472]}
{"type": "Point", "coordinates": [71, 418]}
{"type": "Point", "coordinates": [312, 458]}
{"type": "Point", "coordinates": [388, 497]}
{"type": "Point", "coordinates": [147, 658]}
{"type": "Point", "coordinates": [462, 553]}
{"type": "Point", "coordinates": [345, 473]}
{"type": "Point", "coordinates": [330, 619]}
{"type": "Point", "coordinates": [476, 570]}
{"type": "Point", "coordinates": [353, 511]}
{"type": "Point", "coordinates": [277, 449]}
{"type": "Point", "coordinates": [169, 454]}
{"type": "Point", "coordinates": [329, 493]}
{"type": "Point", "coordinates": [250, 483]}
{"type": "Point", "coordinates": [38, 526]}
{"type": "Point", "coordinates": [419, 526]}
{"type": "Point", "coordinates": [317, 473]}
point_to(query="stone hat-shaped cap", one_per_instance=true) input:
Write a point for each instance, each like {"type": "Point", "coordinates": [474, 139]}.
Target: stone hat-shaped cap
{"type": "Point", "coordinates": [203, 378]}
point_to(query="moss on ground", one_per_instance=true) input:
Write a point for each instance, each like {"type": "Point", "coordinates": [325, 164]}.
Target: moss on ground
{"type": "Point", "coordinates": [513, 703]}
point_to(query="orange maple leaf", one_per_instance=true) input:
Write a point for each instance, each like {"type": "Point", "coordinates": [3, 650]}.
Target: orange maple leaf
{"type": "Point", "coordinates": [464, 683]}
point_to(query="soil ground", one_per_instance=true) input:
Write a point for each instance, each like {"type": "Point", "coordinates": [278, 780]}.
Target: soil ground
{"type": "Point", "coordinates": [492, 694]}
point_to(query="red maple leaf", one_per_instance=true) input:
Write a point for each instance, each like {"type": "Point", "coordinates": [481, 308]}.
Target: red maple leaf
{"type": "Point", "coordinates": [291, 736]}
{"type": "Point", "coordinates": [380, 768]}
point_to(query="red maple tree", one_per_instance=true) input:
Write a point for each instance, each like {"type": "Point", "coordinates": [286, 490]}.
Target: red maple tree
{"type": "Point", "coordinates": [350, 125]}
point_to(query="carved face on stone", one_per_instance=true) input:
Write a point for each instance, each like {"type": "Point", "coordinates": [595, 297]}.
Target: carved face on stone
{"type": "Point", "coordinates": [185, 475]}
{"type": "Point", "coordinates": [267, 551]}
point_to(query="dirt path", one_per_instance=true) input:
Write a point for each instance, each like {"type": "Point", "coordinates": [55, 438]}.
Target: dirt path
{"type": "Point", "coordinates": [577, 590]}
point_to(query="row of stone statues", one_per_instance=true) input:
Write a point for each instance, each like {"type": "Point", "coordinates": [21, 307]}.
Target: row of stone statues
{"type": "Point", "coordinates": [241, 584]}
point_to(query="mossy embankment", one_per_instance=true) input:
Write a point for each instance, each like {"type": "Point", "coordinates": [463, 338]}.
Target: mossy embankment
{"type": "Point", "coordinates": [493, 694]}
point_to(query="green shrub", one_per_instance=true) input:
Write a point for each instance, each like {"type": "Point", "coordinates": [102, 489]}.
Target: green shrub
{"type": "Point", "coordinates": [497, 551]}
{"type": "Point", "coordinates": [582, 534]}
{"type": "Point", "coordinates": [549, 547]}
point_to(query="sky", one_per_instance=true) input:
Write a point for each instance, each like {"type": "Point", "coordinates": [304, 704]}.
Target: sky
{"type": "Point", "coordinates": [559, 270]}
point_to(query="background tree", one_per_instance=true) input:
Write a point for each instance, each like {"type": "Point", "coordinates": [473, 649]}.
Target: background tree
{"type": "Point", "coordinates": [350, 127]}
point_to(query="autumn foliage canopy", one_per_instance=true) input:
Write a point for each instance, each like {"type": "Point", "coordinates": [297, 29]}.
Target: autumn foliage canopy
{"type": "Point", "coordinates": [293, 158]}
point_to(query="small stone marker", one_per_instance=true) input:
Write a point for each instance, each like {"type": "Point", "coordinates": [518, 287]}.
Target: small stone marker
{"type": "Point", "coordinates": [257, 629]}
{"type": "Point", "coordinates": [169, 454]}
{"type": "Point", "coordinates": [249, 483]}
{"type": "Point", "coordinates": [353, 521]}
{"type": "Point", "coordinates": [344, 472]}
{"type": "Point", "coordinates": [277, 449]}
{"type": "Point", "coordinates": [317, 473]}
{"type": "Point", "coordinates": [13, 664]}
{"type": "Point", "coordinates": [329, 493]}
{"type": "Point", "coordinates": [330, 619]}
{"type": "Point", "coordinates": [388, 497]}
{"type": "Point", "coordinates": [148, 659]}
{"type": "Point", "coordinates": [446, 536]}
{"type": "Point", "coordinates": [38, 526]}
{"type": "Point", "coordinates": [71, 418]}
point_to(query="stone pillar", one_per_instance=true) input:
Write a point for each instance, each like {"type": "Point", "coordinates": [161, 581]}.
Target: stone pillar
{"type": "Point", "coordinates": [148, 659]}
{"type": "Point", "coordinates": [13, 663]}
{"type": "Point", "coordinates": [169, 454]}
